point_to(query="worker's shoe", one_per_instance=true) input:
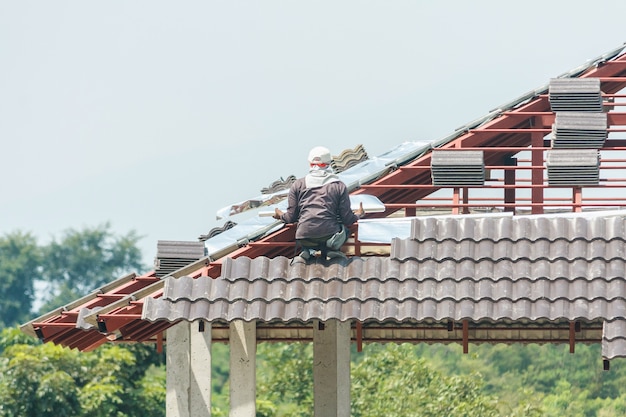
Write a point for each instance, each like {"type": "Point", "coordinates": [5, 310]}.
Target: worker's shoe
{"type": "Point", "coordinates": [303, 257]}
{"type": "Point", "coordinates": [305, 254]}
{"type": "Point", "coordinates": [336, 254]}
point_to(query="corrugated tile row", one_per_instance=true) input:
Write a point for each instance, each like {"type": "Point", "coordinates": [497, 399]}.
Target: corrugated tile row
{"type": "Point", "coordinates": [489, 269]}
{"type": "Point", "coordinates": [516, 228]}
{"type": "Point", "coordinates": [217, 230]}
{"type": "Point", "coordinates": [413, 294]}
{"type": "Point", "coordinates": [418, 287]}
{"type": "Point", "coordinates": [348, 158]}
{"type": "Point", "coordinates": [375, 310]}
{"type": "Point", "coordinates": [279, 185]}
{"type": "Point", "coordinates": [500, 254]}
{"type": "Point", "coordinates": [270, 290]}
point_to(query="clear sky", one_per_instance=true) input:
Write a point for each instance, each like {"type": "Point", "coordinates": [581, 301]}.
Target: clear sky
{"type": "Point", "coordinates": [152, 115]}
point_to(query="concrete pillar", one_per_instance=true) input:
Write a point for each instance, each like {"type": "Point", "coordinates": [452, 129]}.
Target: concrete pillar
{"type": "Point", "coordinates": [188, 369]}
{"type": "Point", "coordinates": [331, 369]}
{"type": "Point", "coordinates": [200, 379]}
{"type": "Point", "coordinates": [177, 371]}
{"type": "Point", "coordinates": [242, 369]}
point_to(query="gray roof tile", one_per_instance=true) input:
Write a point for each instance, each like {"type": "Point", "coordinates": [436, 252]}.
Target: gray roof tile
{"type": "Point", "coordinates": [519, 228]}
{"type": "Point", "coordinates": [349, 158]}
{"type": "Point", "coordinates": [495, 269]}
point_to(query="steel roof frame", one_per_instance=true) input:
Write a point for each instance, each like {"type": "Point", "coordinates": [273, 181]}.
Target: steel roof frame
{"type": "Point", "coordinates": [114, 312]}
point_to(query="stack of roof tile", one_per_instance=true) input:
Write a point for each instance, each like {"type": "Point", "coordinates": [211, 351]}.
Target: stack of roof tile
{"type": "Point", "coordinates": [573, 167]}
{"type": "Point", "coordinates": [457, 168]}
{"type": "Point", "coordinates": [575, 94]}
{"type": "Point", "coordinates": [579, 130]}
{"type": "Point", "coordinates": [173, 255]}
{"type": "Point", "coordinates": [579, 124]}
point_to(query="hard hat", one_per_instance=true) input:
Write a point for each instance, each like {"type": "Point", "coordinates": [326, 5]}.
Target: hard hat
{"type": "Point", "coordinates": [320, 154]}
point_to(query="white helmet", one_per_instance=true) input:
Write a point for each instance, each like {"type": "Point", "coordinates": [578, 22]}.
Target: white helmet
{"type": "Point", "coordinates": [320, 154]}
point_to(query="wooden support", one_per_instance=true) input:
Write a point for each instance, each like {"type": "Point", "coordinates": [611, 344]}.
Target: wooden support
{"type": "Point", "coordinates": [572, 336]}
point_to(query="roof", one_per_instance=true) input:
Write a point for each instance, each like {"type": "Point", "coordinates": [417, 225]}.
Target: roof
{"type": "Point", "coordinates": [530, 269]}
{"type": "Point", "coordinates": [514, 139]}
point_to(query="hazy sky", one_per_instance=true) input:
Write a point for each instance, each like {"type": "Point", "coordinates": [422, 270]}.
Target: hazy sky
{"type": "Point", "coordinates": [153, 115]}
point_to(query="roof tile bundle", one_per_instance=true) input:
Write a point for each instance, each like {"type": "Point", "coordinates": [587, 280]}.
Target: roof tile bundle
{"type": "Point", "coordinates": [173, 255]}
{"type": "Point", "coordinates": [579, 130]}
{"type": "Point", "coordinates": [457, 168]}
{"type": "Point", "coordinates": [575, 94]}
{"type": "Point", "coordinates": [573, 167]}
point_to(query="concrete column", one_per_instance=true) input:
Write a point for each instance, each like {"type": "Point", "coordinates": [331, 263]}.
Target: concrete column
{"type": "Point", "coordinates": [177, 370]}
{"type": "Point", "coordinates": [242, 369]}
{"type": "Point", "coordinates": [188, 369]}
{"type": "Point", "coordinates": [331, 369]}
{"type": "Point", "coordinates": [200, 378]}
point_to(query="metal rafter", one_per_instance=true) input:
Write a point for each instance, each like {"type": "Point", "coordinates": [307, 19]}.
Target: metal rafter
{"type": "Point", "coordinates": [502, 137]}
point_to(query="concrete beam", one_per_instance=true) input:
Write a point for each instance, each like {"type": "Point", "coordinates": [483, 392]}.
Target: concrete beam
{"type": "Point", "coordinates": [331, 369]}
{"type": "Point", "coordinates": [242, 369]}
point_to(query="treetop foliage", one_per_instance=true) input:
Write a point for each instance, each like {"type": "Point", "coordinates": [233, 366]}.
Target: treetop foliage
{"type": "Point", "coordinates": [67, 268]}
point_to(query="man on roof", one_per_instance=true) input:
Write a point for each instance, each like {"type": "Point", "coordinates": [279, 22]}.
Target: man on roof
{"type": "Point", "coordinates": [320, 205]}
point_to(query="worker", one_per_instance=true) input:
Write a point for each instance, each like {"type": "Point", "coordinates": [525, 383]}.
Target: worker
{"type": "Point", "coordinates": [320, 205]}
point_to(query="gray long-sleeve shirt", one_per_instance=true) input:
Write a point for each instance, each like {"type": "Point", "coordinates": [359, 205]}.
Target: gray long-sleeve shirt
{"type": "Point", "coordinates": [319, 211]}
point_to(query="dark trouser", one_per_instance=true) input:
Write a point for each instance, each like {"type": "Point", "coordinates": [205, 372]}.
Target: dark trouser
{"type": "Point", "coordinates": [331, 242]}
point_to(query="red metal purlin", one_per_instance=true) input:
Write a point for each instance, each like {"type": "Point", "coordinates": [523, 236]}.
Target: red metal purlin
{"type": "Point", "coordinates": [522, 128]}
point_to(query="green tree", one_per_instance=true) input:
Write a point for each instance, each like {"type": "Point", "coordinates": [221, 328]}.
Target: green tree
{"type": "Point", "coordinates": [380, 376]}
{"type": "Point", "coordinates": [84, 260]}
{"type": "Point", "coordinates": [46, 380]}
{"type": "Point", "coordinates": [285, 375]}
{"type": "Point", "coordinates": [20, 258]}
{"type": "Point", "coordinates": [393, 381]}
{"type": "Point", "coordinates": [149, 395]}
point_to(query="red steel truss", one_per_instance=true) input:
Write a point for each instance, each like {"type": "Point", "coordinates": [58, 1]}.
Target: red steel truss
{"type": "Point", "coordinates": [514, 145]}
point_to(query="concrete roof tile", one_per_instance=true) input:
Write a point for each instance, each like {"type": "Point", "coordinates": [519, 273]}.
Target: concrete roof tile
{"type": "Point", "coordinates": [477, 269]}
